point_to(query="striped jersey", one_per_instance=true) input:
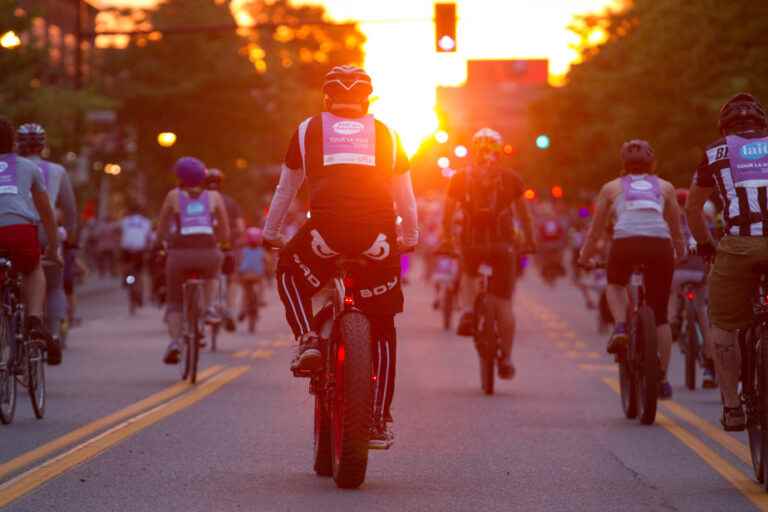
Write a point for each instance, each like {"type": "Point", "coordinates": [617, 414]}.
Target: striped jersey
{"type": "Point", "coordinates": [744, 193]}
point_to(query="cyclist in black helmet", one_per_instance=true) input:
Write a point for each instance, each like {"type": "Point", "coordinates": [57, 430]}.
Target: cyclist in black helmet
{"type": "Point", "coordinates": [356, 170]}
{"type": "Point", "coordinates": [736, 166]}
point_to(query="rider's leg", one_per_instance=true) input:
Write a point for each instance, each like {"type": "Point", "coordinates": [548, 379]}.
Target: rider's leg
{"type": "Point", "coordinates": [56, 301]}
{"type": "Point", "coordinates": [233, 293]}
{"type": "Point", "coordinates": [468, 292]}
{"type": "Point", "coordinates": [298, 305]}
{"type": "Point", "coordinates": [505, 316]}
{"type": "Point", "coordinates": [617, 302]}
{"type": "Point", "coordinates": [384, 363]}
{"type": "Point", "coordinates": [728, 364]}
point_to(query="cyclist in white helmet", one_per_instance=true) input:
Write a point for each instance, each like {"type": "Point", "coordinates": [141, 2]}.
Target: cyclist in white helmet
{"type": "Point", "coordinates": [490, 197]}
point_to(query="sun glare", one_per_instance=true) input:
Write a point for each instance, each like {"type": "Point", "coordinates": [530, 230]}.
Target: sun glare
{"type": "Point", "coordinates": [400, 56]}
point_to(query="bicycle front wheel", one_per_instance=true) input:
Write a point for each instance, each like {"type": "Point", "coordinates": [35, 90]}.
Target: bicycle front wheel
{"type": "Point", "coordinates": [36, 369]}
{"type": "Point", "coordinates": [352, 401]}
{"type": "Point", "coordinates": [447, 307]}
{"type": "Point", "coordinates": [648, 365]}
{"type": "Point", "coordinates": [7, 379]}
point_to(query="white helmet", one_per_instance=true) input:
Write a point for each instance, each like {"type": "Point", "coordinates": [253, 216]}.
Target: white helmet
{"type": "Point", "coordinates": [486, 134]}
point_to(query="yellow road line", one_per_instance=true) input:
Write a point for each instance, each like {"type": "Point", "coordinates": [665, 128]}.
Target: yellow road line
{"type": "Point", "coordinates": [731, 444]}
{"type": "Point", "coordinates": [42, 451]}
{"type": "Point", "coordinates": [574, 354]}
{"type": "Point", "coordinates": [753, 491]}
{"type": "Point", "coordinates": [281, 343]}
{"type": "Point", "coordinates": [241, 353]}
{"type": "Point", "coordinates": [37, 476]}
{"type": "Point", "coordinates": [261, 354]}
{"type": "Point", "coordinates": [598, 367]}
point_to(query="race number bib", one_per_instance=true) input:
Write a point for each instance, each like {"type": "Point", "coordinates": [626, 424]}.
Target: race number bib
{"type": "Point", "coordinates": [8, 180]}
{"type": "Point", "coordinates": [349, 141]}
{"type": "Point", "coordinates": [749, 161]}
{"type": "Point", "coordinates": [642, 193]}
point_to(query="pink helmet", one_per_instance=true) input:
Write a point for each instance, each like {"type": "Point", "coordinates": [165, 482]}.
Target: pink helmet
{"type": "Point", "coordinates": [253, 236]}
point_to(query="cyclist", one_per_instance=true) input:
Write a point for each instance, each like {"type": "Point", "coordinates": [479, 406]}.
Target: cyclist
{"type": "Point", "coordinates": [135, 233]}
{"type": "Point", "coordinates": [647, 217]}
{"type": "Point", "coordinates": [692, 270]}
{"type": "Point", "coordinates": [487, 193]}
{"type": "Point", "coordinates": [356, 169]}
{"type": "Point", "coordinates": [236, 230]}
{"type": "Point", "coordinates": [30, 142]}
{"type": "Point", "coordinates": [252, 269]}
{"type": "Point", "coordinates": [736, 166]}
{"type": "Point", "coordinates": [23, 204]}
{"type": "Point", "coordinates": [199, 217]}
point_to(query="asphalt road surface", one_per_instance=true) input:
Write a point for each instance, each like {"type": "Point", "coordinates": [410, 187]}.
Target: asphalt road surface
{"type": "Point", "coordinates": [122, 434]}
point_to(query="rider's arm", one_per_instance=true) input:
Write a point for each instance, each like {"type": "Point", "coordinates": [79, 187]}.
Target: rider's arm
{"type": "Point", "coordinates": [222, 219]}
{"type": "Point", "coordinates": [405, 205]}
{"type": "Point", "coordinates": [602, 214]}
{"type": "Point", "coordinates": [672, 215]}
{"type": "Point", "coordinates": [289, 185]}
{"type": "Point", "coordinates": [524, 215]}
{"type": "Point", "coordinates": [449, 210]}
{"type": "Point", "coordinates": [694, 211]}
{"type": "Point", "coordinates": [43, 205]}
{"type": "Point", "coordinates": [166, 214]}
{"type": "Point", "coordinates": [66, 201]}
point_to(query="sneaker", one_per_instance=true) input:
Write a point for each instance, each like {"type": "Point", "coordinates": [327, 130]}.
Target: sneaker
{"type": "Point", "coordinates": [37, 331]}
{"type": "Point", "coordinates": [308, 357]}
{"type": "Point", "coordinates": [381, 437]}
{"type": "Point", "coordinates": [619, 339]}
{"type": "Point", "coordinates": [733, 419]}
{"type": "Point", "coordinates": [212, 317]}
{"type": "Point", "coordinates": [708, 378]}
{"type": "Point", "coordinates": [172, 353]}
{"type": "Point", "coordinates": [506, 370]}
{"type": "Point", "coordinates": [665, 390]}
{"type": "Point", "coordinates": [466, 324]}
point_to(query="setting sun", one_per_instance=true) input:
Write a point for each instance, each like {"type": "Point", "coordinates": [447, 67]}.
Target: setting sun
{"type": "Point", "coordinates": [406, 70]}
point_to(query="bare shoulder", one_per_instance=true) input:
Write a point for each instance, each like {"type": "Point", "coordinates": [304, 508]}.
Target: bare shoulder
{"type": "Point", "coordinates": [611, 189]}
{"type": "Point", "coordinates": [667, 188]}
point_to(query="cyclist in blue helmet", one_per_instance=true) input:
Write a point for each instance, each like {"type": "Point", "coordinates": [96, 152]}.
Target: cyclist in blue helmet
{"type": "Point", "coordinates": [193, 222]}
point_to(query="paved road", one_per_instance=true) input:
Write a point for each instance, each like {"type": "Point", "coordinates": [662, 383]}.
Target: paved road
{"type": "Point", "coordinates": [122, 434]}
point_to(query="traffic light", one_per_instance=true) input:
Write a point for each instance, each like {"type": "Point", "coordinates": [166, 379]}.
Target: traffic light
{"type": "Point", "coordinates": [557, 192]}
{"type": "Point", "coordinates": [445, 27]}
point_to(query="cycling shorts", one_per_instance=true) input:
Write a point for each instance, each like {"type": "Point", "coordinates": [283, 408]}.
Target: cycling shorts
{"type": "Point", "coordinates": [182, 262]}
{"type": "Point", "coordinates": [21, 244]}
{"type": "Point", "coordinates": [657, 256]}
{"type": "Point", "coordinates": [501, 258]}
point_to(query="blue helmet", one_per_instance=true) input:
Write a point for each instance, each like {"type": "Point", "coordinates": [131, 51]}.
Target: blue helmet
{"type": "Point", "coordinates": [190, 171]}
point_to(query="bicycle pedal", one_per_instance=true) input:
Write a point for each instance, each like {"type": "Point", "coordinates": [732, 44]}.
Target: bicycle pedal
{"type": "Point", "coordinates": [302, 374]}
{"type": "Point", "coordinates": [378, 445]}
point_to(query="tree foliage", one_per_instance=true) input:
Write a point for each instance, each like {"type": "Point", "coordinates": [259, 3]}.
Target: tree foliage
{"type": "Point", "coordinates": [662, 74]}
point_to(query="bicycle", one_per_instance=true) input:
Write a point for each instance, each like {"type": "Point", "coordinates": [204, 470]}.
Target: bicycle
{"type": "Point", "coordinates": [219, 306]}
{"type": "Point", "coordinates": [22, 360]}
{"type": "Point", "coordinates": [446, 276]}
{"type": "Point", "coordinates": [691, 337]}
{"type": "Point", "coordinates": [250, 302]}
{"type": "Point", "coordinates": [343, 389]}
{"type": "Point", "coordinates": [639, 366]}
{"type": "Point", "coordinates": [193, 325]}
{"type": "Point", "coordinates": [754, 376]}
{"type": "Point", "coordinates": [487, 337]}
{"type": "Point", "coordinates": [133, 283]}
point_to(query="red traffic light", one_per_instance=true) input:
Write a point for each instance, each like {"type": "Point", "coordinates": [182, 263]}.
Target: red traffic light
{"type": "Point", "coordinates": [530, 194]}
{"type": "Point", "coordinates": [557, 192]}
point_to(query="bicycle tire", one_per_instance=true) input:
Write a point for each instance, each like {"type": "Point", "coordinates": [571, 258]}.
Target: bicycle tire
{"type": "Point", "coordinates": [762, 394]}
{"type": "Point", "coordinates": [36, 384]}
{"type": "Point", "coordinates": [7, 379]}
{"type": "Point", "coordinates": [214, 337]}
{"type": "Point", "coordinates": [648, 359]}
{"type": "Point", "coordinates": [447, 308]}
{"type": "Point", "coordinates": [184, 361]}
{"type": "Point", "coordinates": [691, 347]}
{"type": "Point", "coordinates": [751, 390]}
{"type": "Point", "coordinates": [352, 401]}
{"type": "Point", "coordinates": [628, 389]}
{"type": "Point", "coordinates": [484, 337]}
{"type": "Point", "coordinates": [198, 332]}
{"type": "Point", "coordinates": [322, 438]}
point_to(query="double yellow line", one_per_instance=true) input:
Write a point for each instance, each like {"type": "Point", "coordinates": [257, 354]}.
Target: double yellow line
{"type": "Point", "coordinates": [745, 484]}
{"type": "Point", "coordinates": [132, 419]}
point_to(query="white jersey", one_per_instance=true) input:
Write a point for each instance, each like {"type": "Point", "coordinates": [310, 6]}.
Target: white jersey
{"type": "Point", "coordinates": [136, 231]}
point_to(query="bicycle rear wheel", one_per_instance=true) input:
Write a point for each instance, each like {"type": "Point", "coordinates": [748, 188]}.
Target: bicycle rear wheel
{"type": "Point", "coordinates": [36, 383]}
{"type": "Point", "coordinates": [648, 366]}
{"type": "Point", "coordinates": [691, 346]}
{"type": "Point", "coordinates": [7, 379]}
{"type": "Point", "coordinates": [214, 337]}
{"type": "Point", "coordinates": [628, 385]}
{"type": "Point", "coordinates": [198, 331]}
{"type": "Point", "coordinates": [762, 395]}
{"type": "Point", "coordinates": [188, 331]}
{"type": "Point", "coordinates": [352, 401]}
{"type": "Point", "coordinates": [485, 344]}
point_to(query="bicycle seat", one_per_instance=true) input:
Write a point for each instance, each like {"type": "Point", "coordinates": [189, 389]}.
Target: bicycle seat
{"type": "Point", "coordinates": [761, 268]}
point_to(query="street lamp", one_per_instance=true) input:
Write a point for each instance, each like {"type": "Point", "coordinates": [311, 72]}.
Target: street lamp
{"type": "Point", "coordinates": [443, 162]}
{"type": "Point", "coordinates": [460, 151]}
{"type": "Point", "coordinates": [10, 40]}
{"type": "Point", "coordinates": [441, 136]}
{"type": "Point", "coordinates": [166, 139]}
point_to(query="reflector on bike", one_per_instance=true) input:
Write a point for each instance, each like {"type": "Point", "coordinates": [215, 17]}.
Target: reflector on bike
{"type": "Point", "coordinates": [690, 295]}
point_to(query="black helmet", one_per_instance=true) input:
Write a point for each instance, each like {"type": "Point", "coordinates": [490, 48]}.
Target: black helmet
{"type": "Point", "coordinates": [347, 83]}
{"type": "Point", "coordinates": [214, 179]}
{"type": "Point", "coordinates": [742, 109]}
{"type": "Point", "coordinates": [30, 138]}
{"type": "Point", "coordinates": [637, 155]}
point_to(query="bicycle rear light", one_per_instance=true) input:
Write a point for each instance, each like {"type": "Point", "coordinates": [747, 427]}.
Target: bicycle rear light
{"type": "Point", "coordinates": [349, 300]}
{"type": "Point", "coordinates": [690, 295]}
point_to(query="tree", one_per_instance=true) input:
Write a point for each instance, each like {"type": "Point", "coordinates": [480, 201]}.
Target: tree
{"type": "Point", "coordinates": [660, 76]}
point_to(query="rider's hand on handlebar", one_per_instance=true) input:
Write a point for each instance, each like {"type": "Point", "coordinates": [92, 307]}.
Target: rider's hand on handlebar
{"type": "Point", "coordinates": [273, 243]}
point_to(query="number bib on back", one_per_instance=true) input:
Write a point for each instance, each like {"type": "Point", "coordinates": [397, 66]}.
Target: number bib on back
{"type": "Point", "coordinates": [749, 161]}
{"type": "Point", "coordinates": [349, 141]}
{"type": "Point", "coordinates": [8, 180]}
{"type": "Point", "coordinates": [642, 193]}
{"type": "Point", "coordinates": [195, 214]}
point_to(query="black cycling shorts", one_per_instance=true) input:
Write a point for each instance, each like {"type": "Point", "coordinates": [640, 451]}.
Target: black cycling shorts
{"type": "Point", "coordinates": [501, 258]}
{"type": "Point", "coordinates": [657, 256]}
{"type": "Point", "coordinates": [312, 254]}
